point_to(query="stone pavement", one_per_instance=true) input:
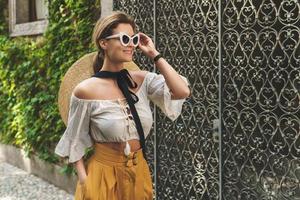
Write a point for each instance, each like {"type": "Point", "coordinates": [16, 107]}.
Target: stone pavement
{"type": "Point", "coordinates": [16, 184]}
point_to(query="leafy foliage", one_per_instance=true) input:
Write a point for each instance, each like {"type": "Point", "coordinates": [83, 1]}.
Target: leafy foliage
{"type": "Point", "coordinates": [31, 70]}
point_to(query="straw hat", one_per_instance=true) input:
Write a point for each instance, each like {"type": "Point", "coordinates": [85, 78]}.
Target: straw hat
{"type": "Point", "coordinates": [82, 69]}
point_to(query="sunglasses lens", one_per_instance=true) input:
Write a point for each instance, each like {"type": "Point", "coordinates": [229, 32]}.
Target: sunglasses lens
{"type": "Point", "coordinates": [125, 39]}
{"type": "Point", "coordinates": [135, 40]}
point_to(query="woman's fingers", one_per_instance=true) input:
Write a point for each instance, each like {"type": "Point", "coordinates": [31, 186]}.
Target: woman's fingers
{"type": "Point", "coordinates": [146, 45]}
{"type": "Point", "coordinates": [143, 35]}
{"type": "Point", "coordinates": [144, 39]}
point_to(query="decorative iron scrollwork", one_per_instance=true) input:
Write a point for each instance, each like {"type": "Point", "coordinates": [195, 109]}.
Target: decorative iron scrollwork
{"type": "Point", "coordinates": [260, 87]}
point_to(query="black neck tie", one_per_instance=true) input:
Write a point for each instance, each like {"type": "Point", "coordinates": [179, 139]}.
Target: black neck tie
{"type": "Point", "coordinates": [124, 81]}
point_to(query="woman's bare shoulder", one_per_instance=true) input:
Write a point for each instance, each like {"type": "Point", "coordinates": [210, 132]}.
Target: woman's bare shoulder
{"type": "Point", "coordinates": [86, 88]}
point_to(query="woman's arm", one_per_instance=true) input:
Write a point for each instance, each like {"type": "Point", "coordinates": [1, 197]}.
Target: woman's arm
{"type": "Point", "coordinates": [80, 168]}
{"type": "Point", "coordinates": [178, 87]}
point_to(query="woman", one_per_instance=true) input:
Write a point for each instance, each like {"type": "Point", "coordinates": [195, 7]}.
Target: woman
{"type": "Point", "coordinates": [110, 111]}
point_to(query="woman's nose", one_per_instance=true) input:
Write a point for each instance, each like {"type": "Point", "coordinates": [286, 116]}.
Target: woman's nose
{"type": "Point", "coordinates": [131, 43]}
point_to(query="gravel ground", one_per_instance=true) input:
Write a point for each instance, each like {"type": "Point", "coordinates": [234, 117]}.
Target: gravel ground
{"type": "Point", "coordinates": [16, 184]}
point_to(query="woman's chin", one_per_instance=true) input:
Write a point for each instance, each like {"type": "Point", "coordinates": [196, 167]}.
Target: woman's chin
{"type": "Point", "coordinates": [128, 59]}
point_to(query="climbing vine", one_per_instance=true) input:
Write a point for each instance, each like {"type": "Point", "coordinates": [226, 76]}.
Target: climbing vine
{"type": "Point", "coordinates": [31, 69]}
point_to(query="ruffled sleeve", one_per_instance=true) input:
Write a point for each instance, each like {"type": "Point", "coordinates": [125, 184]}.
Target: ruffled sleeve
{"type": "Point", "coordinates": [76, 137]}
{"type": "Point", "coordinates": [159, 93]}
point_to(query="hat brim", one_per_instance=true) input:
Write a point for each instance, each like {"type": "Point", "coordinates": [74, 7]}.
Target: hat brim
{"type": "Point", "coordinates": [82, 69]}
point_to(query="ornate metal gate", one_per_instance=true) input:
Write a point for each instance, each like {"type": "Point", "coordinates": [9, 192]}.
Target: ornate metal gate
{"type": "Point", "coordinates": [242, 59]}
{"type": "Point", "coordinates": [261, 98]}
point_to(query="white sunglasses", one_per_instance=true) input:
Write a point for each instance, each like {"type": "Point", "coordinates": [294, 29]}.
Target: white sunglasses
{"type": "Point", "coordinates": [126, 39]}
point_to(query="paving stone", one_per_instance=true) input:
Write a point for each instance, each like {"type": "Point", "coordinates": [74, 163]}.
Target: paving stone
{"type": "Point", "coordinates": [16, 184]}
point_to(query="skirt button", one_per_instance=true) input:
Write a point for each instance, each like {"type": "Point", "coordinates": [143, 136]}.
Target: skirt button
{"type": "Point", "coordinates": [129, 163]}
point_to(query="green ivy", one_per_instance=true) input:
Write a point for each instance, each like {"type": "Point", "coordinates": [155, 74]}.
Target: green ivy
{"type": "Point", "coordinates": [31, 70]}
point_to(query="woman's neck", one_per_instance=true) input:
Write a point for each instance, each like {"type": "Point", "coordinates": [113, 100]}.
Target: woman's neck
{"type": "Point", "coordinates": [112, 66]}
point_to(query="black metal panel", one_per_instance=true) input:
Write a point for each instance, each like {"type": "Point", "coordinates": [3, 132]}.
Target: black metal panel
{"type": "Point", "coordinates": [187, 152]}
{"type": "Point", "coordinates": [261, 115]}
{"type": "Point", "coordinates": [187, 36]}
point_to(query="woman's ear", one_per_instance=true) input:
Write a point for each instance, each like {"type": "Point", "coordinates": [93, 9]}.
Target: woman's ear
{"type": "Point", "coordinates": [103, 44]}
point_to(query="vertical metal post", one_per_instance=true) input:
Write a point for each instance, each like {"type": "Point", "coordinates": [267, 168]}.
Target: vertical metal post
{"type": "Point", "coordinates": [220, 97]}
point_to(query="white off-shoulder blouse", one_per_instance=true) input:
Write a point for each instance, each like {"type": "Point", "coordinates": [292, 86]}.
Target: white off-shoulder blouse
{"type": "Point", "coordinates": [92, 121]}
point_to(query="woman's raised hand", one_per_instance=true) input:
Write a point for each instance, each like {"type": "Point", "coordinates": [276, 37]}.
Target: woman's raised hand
{"type": "Point", "coordinates": [147, 46]}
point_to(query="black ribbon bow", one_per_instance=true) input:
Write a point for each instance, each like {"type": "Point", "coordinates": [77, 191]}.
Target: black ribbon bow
{"type": "Point", "coordinates": [125, 81]}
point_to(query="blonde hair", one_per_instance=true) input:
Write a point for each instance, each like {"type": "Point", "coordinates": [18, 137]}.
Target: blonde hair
{"type": "Point", "coordinates": [104, 28]}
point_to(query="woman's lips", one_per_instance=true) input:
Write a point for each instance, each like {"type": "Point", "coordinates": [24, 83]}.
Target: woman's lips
{"type": "Point", "coordinates": [129, 52]}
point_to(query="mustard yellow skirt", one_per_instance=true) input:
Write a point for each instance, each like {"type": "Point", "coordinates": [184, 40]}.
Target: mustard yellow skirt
{"type": "Point", "coordinates": [113, 176]}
